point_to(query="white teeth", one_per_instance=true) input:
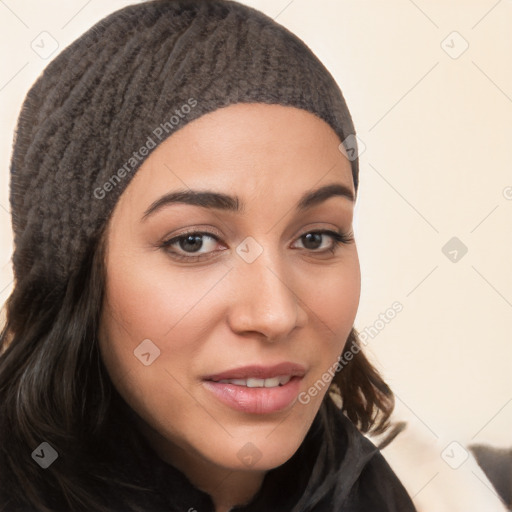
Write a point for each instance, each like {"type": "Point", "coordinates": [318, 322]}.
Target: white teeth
{"type": "Point", "coordinates": [255, 383]}
{"type": "Point", "coordinates": [259, 383]}
{"type": "Point", "coordinates": [238, 382]}
{"type": "Point", "coordinates": [285, 379]}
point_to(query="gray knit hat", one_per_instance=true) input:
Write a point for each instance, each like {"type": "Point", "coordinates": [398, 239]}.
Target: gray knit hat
{"type": "Point", "coordinates": [106, 101]}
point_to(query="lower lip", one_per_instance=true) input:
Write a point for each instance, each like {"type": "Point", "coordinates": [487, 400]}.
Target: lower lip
{"type": "Point", "coordinates": [256, 400]}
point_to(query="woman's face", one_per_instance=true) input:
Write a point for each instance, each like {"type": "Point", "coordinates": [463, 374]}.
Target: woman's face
{"type": "Point", "coordinates": [253, 286]}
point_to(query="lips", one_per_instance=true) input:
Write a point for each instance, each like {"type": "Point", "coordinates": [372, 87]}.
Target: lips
{"type": "Point", "coordinates": [257, 389]}
{"type": "Point", "coordinates": [256, 400]}
{"type": "Point", "coordinates": [260, 372]}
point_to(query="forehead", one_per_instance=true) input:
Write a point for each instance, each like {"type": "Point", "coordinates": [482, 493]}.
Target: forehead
{"type": "Point", "coordinates": [260, 150]}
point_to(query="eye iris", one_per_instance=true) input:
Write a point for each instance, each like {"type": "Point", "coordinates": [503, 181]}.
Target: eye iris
{"type": "Point", "coordinates": [316, 238]}
{"type": "Point", "coordinates": [195, 242]}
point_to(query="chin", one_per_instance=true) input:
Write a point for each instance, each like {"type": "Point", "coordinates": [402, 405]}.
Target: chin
{"type": "Point", "coordinates": [260, 448]}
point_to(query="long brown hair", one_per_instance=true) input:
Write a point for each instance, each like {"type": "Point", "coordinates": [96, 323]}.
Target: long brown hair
{"type": "Point", "coordinates": [366, 398]}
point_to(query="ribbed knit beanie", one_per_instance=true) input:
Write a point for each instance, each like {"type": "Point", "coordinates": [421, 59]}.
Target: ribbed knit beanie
{"type": "Point", "coordinates": [107, 100]}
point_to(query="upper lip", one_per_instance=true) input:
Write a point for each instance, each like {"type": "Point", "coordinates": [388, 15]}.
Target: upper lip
{"type": "Point", "coordinates": [260, 372]}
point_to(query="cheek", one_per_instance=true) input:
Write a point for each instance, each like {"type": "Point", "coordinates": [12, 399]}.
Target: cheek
{"type": "Point", "coordinates": [332, 295]}
{"type": "Point", "coordinates": [165, 312]}
{"type": "Point", "coordinates": [147, 299]}
{"type": "Point", "coordinates": [332, 300]}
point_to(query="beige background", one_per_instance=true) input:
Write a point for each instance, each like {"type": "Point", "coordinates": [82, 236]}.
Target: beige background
{"type": "Point", "coordinates": [436, 125]}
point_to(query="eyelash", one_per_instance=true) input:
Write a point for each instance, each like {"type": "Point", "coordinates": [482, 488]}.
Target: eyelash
{"type": "Point", "coordinates": [338, 239]}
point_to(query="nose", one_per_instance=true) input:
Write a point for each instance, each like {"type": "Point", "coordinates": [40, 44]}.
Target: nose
{"type": "Point", "coordinates": [265, 301]}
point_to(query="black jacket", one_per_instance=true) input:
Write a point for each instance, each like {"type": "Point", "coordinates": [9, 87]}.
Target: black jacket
{"type": "Point", "coordinates": [335, 469]}
{"type": "Point", "coordinates": [350, 475]}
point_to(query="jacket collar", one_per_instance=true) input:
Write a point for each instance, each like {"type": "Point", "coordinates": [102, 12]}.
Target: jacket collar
{"type": "Point", "coordinates": [325, 467]}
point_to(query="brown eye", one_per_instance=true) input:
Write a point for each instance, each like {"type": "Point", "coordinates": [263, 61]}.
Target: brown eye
{"type": "Point", "coordinates": [313, 240]}
{"type": "Point", "coordinates": [189, 245]}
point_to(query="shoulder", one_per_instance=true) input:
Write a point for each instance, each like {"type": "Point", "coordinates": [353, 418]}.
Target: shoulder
{"type": "Point", "coordinates": [379, 489]}
{"type": "Point", "coordinates": [372, 483]}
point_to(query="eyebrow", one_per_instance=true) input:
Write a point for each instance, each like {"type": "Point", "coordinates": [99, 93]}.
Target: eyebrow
{"type": "Point", "coordinates": [220, 201]}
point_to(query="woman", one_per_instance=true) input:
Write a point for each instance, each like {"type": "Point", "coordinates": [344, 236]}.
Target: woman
{"type": "Point", "coordinates": [182, 190]}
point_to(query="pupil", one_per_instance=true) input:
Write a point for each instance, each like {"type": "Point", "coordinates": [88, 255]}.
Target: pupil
{"type": "Point", "coordinates": [315, 237]}
{"type": "Point", "coordinates": [195, 242]}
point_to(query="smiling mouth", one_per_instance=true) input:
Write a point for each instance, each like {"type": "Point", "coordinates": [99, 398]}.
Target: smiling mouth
{"type": "Point", "coordinates": [272, 382]}
{"type": "Point", "coordinates": [257, 396]}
